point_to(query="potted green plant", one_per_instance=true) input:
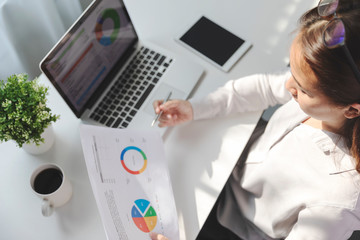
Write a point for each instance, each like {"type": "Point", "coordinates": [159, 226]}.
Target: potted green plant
{"type": "Point", "coordinates": [24, 115]}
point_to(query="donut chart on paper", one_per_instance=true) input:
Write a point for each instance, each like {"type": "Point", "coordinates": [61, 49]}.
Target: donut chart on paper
{"type": "Point", "coordinates": [144, 215]}
{"type": "Point", "coordinates": [122, 159]}
{"type": "Point", "coordinates": [99, 30]}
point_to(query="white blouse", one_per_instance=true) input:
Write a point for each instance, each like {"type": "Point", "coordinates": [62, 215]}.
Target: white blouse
{"type": "Point", "coordinates": [293, 185]}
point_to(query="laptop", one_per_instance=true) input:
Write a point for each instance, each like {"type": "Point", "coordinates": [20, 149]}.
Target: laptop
{"type": "Point", "coordinates": [107, 76]}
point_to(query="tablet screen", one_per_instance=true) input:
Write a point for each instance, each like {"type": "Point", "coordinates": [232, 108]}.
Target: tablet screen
{"type": "Point", "coordinates": [211, 40]}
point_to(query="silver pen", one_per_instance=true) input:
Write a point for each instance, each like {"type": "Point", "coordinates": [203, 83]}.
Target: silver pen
{"type": "Point", "coordinates": [161, 112]}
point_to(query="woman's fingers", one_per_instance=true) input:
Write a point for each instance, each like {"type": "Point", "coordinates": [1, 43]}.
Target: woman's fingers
{"type": "Point", "coordinates": [174, 112]}
{"type": "Point", "coordinates": [156, 105]}
{"type": "Point", "coordinates": [155, 236]}
{"type": "Point", "coordinates": [167, 120]}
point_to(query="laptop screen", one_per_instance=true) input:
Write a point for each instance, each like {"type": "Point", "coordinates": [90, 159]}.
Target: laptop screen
{"type": "Point", "coordinates": [87, 54]}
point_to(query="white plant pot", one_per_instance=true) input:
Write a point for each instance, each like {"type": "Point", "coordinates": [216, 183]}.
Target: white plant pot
{"type": "Point", "coordinates": [49, 137]}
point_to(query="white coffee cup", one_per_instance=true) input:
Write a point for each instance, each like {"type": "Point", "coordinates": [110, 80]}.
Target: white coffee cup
{"type": "Point", "coordinates": [50, 184]}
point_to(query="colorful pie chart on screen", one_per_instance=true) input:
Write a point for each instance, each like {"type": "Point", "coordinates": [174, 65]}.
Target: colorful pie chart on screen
{"type": "Point", "coordinates": [144, 215]}
{"type": "Point", "coordinates": [133, 160]}
{"type": "Point", "coordinates": [107, 36]}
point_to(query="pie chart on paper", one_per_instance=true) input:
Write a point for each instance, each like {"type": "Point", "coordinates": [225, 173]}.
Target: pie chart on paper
{"type": "Point", "coordinates": [144, 215]}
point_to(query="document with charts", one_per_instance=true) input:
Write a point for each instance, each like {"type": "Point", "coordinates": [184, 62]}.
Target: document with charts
{"type": "Point", "coordinates": [130, 180]}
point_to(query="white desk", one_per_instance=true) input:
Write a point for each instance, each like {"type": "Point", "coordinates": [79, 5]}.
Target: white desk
{"type": "Point", "coordinates": [200, 154]}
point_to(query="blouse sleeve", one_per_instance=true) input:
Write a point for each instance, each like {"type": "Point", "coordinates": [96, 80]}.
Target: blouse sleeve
{"type": "Point", "coordinates": [324, 223]}
{"type": "Point", "coordinates": [251, 93]}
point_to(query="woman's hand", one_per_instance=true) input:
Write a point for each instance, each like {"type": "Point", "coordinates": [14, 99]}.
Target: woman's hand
{"type": "Point", "coordinates": [156, 236]}
{"type": "Point", "coordinates": [174, 112]}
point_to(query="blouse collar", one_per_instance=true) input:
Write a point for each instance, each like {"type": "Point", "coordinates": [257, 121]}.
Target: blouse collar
{"type": "Point", "coordinates": [333, 145]}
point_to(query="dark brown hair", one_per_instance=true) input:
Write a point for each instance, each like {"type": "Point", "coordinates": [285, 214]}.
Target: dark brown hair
{"type": "Point", "coordinates": [330, 66]}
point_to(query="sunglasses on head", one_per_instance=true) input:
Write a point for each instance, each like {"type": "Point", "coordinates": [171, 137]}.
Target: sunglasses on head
{"type": "Point", "coordinates": [334, 32]}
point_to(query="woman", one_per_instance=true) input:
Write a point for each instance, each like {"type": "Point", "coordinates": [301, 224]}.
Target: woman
{"type": "Point", "coordinates": [301, 178]}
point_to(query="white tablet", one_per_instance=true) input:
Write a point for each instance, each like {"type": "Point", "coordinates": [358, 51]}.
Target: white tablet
{"type": "Point", "coordinates": [214, 43]}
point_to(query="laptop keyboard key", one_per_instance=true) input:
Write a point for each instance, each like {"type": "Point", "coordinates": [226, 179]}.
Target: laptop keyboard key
{"type": "Point", "coordinates": [161, 60]}
{"type": "Point", "coordinates": [132, 113]}
{"type": "Point", "coordinates": [144, 96]}
{"type": "Point", "coordinates": [103, 119]}
{"type": "Point", "coordinates": [117, 123]}
{"type": "Point", "coordinates": [110, 121]}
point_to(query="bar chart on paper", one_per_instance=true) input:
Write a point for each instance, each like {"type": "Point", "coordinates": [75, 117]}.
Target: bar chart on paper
{"type": "Point", "coordinates": [130, 180]}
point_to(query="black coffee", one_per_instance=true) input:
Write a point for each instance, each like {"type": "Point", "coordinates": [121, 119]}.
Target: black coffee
{"type": "Point", "coordinates": [48, 181]}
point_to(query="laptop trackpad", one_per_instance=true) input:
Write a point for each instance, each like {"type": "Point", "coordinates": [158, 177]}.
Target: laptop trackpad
{"type": "Point", "coordinates": [161, 93]}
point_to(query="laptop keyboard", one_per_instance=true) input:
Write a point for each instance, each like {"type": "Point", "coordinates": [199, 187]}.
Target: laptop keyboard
{"type": "Point", "coordinates": [131, 89]}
